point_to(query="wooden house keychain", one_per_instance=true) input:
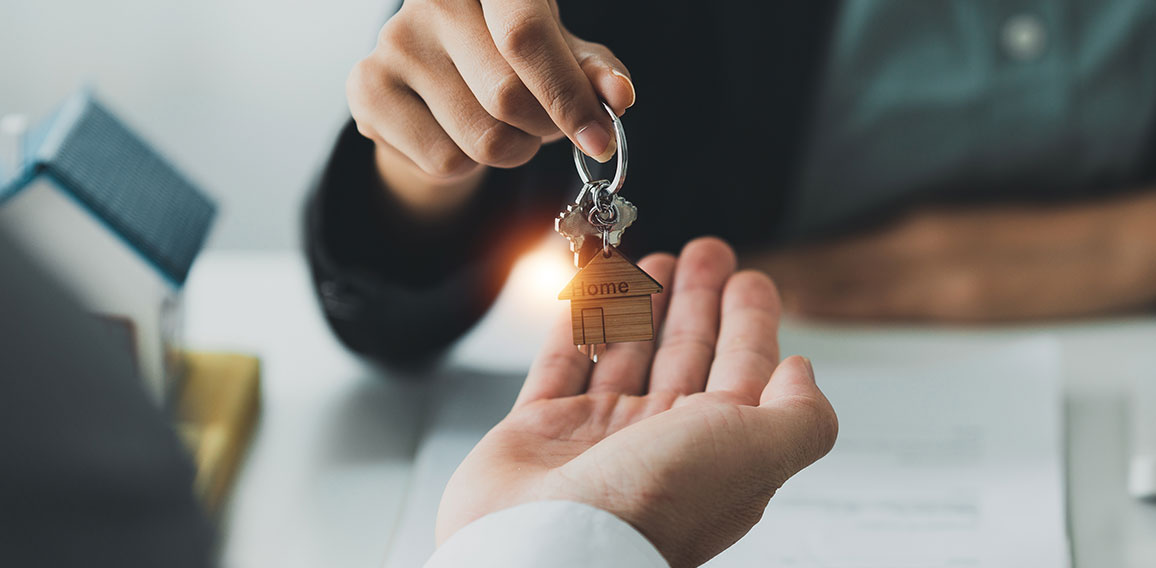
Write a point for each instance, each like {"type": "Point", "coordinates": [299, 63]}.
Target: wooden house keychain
{"type": "Point", "coordinates": [610, 296]}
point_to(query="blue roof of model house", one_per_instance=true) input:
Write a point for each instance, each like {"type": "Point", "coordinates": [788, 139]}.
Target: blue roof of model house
{"type": "Point", "coordinates": [114, 174]}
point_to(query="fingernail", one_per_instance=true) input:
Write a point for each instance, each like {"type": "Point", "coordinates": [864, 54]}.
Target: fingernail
{"type": "Point", "coordinates": [629, 83]}
{"type": "Point", "coordinates": [810, 369]}
{"type": "Point", "coordinates": [596, 141]}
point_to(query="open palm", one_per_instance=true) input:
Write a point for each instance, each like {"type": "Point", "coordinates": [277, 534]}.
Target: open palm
{"type": "Point", "coordinates": [686, 438]}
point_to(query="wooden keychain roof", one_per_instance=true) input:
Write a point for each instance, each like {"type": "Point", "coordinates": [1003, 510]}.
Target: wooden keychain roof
{"type": "Point", "coordinates": [609, 276]}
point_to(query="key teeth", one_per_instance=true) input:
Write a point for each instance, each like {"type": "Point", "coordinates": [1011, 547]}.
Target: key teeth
{"type": "Point", "coordinates": [575, 240]}
{"type": "Point", "coordinates": [593, 351]}
{"type": "Point", "coordinates": [572, 223]}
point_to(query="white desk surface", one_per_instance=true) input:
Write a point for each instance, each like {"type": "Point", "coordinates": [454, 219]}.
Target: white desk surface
{"type": "Point", "coordinates": [327, 473]}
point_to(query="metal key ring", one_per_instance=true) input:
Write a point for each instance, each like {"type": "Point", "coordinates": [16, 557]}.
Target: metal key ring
{"type": "Point", "coordinates": [620, 169]}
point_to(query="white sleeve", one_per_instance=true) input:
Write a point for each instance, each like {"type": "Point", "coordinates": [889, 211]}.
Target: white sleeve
{"type": "Point", "coordinates": [560, 534]}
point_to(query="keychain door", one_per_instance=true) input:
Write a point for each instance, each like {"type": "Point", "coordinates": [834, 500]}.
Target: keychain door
{"type": "Point", "coordinates": [593, 326]}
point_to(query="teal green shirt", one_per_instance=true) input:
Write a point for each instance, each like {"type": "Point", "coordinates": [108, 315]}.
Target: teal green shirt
{"type": "Point", "coordinates": [977, 99]}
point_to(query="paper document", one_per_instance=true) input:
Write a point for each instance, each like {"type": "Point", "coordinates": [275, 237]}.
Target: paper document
{"type": "Point", "coordinates": [938, 464]}
{"type": "Point", "coordinates": [949, 459]}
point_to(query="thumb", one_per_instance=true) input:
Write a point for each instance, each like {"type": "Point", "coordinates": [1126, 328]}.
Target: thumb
{"type": "Point", "coordinates": [609, 77]}
{"type": "Point", "coordinates": [793, 377]}
{"type": "Point", "coordinates": [800, 423]}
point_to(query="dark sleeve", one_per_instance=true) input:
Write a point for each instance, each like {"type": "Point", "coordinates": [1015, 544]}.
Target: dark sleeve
{"type": "Point", "coordinates": [93, 474]}
{"type": "Point", "coordinates": [400, 291]}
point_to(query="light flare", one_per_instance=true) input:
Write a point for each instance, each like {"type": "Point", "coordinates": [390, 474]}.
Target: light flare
{"type": "Point", "coordinates": [544, 271]}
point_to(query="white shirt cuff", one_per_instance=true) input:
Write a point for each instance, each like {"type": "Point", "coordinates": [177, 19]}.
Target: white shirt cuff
{"type": "Point", "coordinates": [548, 533]}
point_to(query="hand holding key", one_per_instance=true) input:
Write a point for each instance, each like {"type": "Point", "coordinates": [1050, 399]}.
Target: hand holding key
{"type": "Point", "coordinates": [457, 84]}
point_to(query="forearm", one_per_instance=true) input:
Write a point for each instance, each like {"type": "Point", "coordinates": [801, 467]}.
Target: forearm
{"type": "Point", "coordinates": [390, 282]}
{"type": "Point", "coordinates": [399, 286]}
{"type": "Point", "coordinates": [982, 263]}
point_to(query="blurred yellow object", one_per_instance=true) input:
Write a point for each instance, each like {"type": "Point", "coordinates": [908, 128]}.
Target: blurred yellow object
{"type": "Point", "coordinates": [216, 414]}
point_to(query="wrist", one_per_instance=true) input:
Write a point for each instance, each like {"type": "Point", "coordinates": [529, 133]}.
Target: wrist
{"type": "Point", "coordinates": [548, 533]}
{"type": "Point", "coordinates": [422, 195]}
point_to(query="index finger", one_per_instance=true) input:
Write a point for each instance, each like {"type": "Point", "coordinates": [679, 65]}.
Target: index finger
{"type": "Point", "coordinates": [529, 36]}
{"type": "Point", "coordinates": [560, 370]}
{"type": "Point", "coordinates": [797, 424]}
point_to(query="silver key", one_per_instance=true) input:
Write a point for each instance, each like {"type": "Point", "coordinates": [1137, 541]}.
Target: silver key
{"type": "Point", "coordinates": [574, 222]}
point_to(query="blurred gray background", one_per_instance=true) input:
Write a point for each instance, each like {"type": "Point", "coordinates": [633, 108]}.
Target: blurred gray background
{"type": "Point", "coordinates": [244, 96]}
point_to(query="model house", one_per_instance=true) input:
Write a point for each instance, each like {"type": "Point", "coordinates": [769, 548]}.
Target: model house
{"type": "Point", "coordinates": [113, 221]}
{"type": "Point", "coordinates": [610, 301]}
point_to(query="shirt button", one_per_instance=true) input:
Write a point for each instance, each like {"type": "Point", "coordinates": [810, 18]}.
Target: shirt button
{"type": "Point", "coordinates": [1024, 37]}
